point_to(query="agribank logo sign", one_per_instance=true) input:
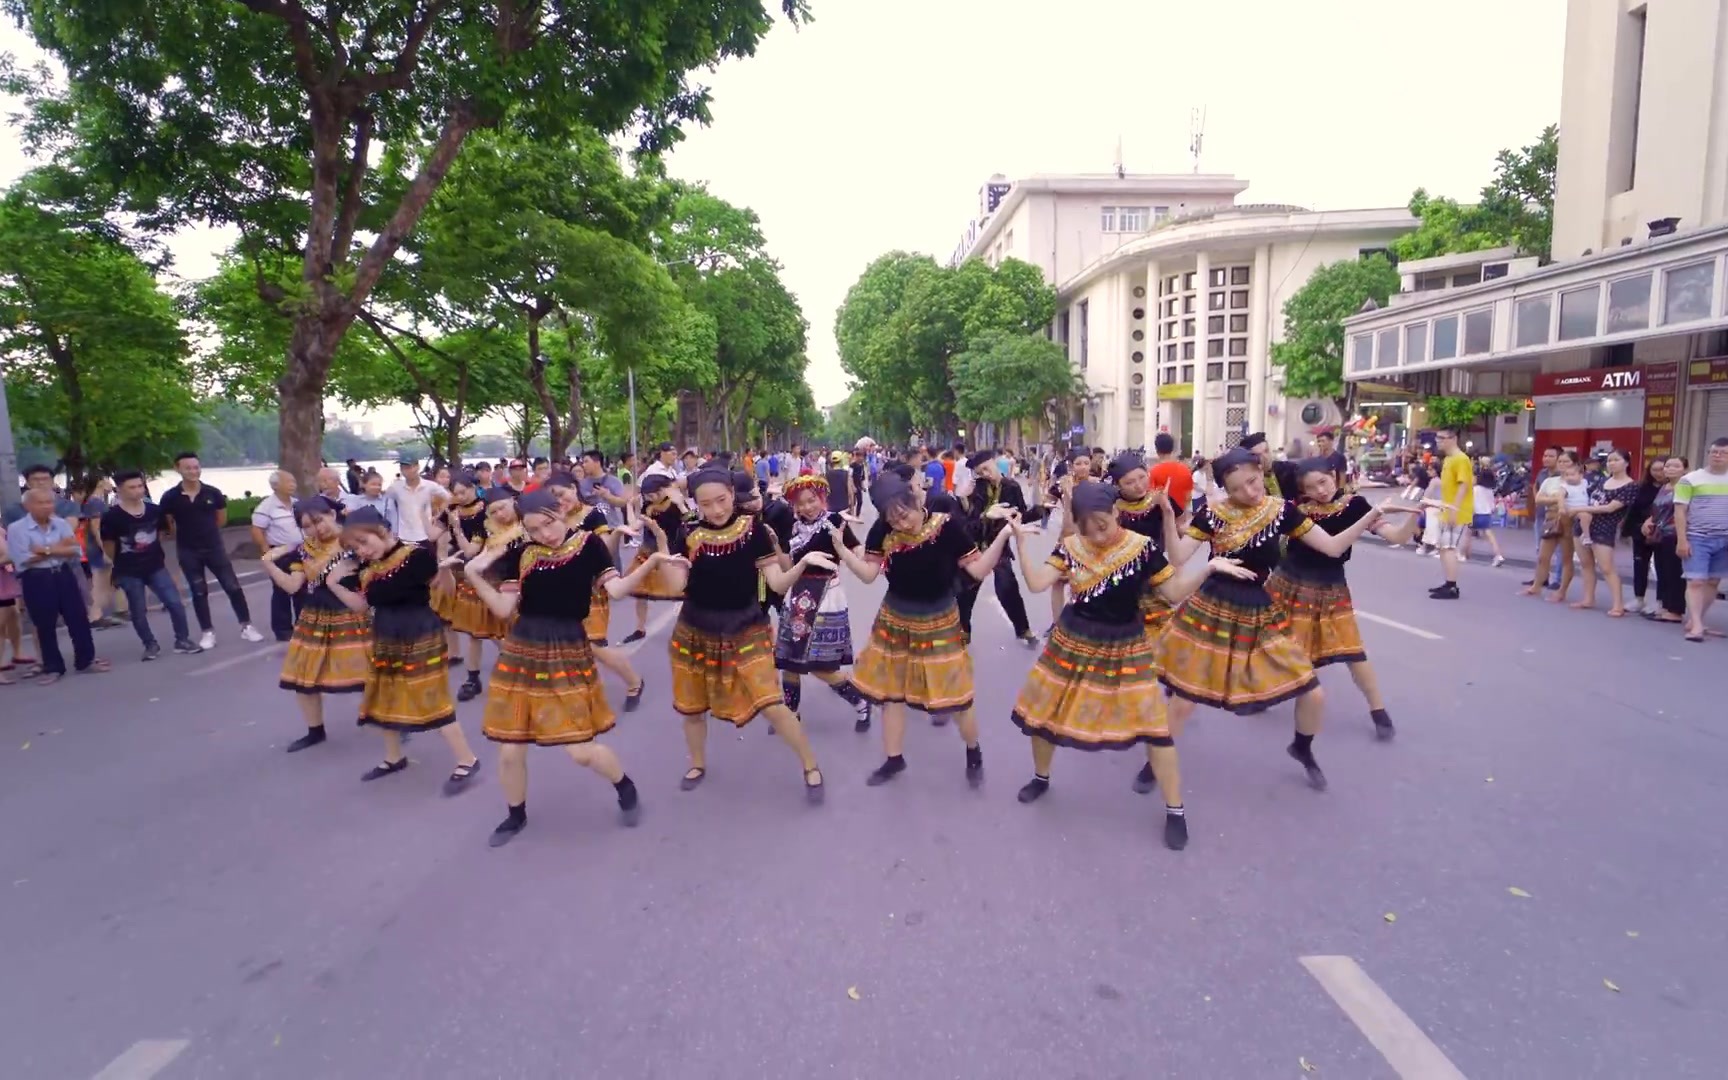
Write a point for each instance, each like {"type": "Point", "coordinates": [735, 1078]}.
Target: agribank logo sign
{"type": "Point", "coordinates": [1590, 382]}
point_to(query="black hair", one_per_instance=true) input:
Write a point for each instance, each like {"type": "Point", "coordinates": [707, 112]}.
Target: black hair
{"type": "Point", "coordinates": [1723, 441]}
{"type": "Point", "coordinates": [1312, 465]}
{"type": "Point", "coordinates": [1164, 443]}
{"type": "Point", "coordinates": [129, 474]}
{"type": "Point", "coordinates": [193, 454]}
{"type": "Point", "coordinates": [596, 455]}
{"type": "Point", "coordinates": [1229, 461]}
{"type": "Point", "coordinates": [1251, 440]}
{"type": "Point", "coordinates": [539, 461]}
{"type": "Point", "coordinates": [32, 470]}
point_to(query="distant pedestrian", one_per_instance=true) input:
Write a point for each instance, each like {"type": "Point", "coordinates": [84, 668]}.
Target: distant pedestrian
{"type": "Point", "coordinates": [43, 548]}
{"type": "Point", "coordinates": [197, 513]}
{"type": "Point", "coordinates": [274, 525]}
{"type": "Point", "coordinates": [132, 531]}
{"type": "Point", "coordinates": [1701, 526]}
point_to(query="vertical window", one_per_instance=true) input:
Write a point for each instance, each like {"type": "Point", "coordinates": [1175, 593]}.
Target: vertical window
{"type": "Point", "coordinates": [1626, 101]}
{"type": "Point", "coordinates": [1107, 219]}
{"type": "Point", "coordinates": [1388, 349]}
{"type": "Point", "coordinates": [1085, 305]}
{"type": "Point", "coordinates": [1239, 275]}
{"type": "Point", "coordinates": [1416, 343]}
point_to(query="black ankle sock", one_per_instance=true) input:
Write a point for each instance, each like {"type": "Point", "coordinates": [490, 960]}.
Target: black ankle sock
{"type": "Point", "coordinates": [1146, 772]}
{"type": "Point", "coordinates": [626, 789]}
{"type": "Point", "coordinates": [1304, 744]}
{"type": "Point", "coordinates": [898, 761]}
{"type": "Point", "coordinates": [848, 693]}
{"type": "Point", "coordinates": [974, 757]}
{"type": "Point", "coordinates": [792, 693]}
{"type": "Point", "coordinates": [517, 817]}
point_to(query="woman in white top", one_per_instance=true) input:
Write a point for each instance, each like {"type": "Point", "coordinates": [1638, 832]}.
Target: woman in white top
{"type": "Point", "coordinates": [1565, 495]}
{"type": "Point", "coordinates": [1482, 516]}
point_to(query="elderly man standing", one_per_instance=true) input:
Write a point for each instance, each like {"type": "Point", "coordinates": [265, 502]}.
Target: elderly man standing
{"type": "Point", "coordinates": [330, 486]}
{"type": "Point", "coordinates": [196, 513]}
{"type": "Point", "coordinates": [273, 526]}
{"type": "Point", "coordinates": [45, 552]}
{"type": "Point", "coordinates": [413, 497]}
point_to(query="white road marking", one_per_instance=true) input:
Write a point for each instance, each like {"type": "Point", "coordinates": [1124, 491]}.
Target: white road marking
{"type": "Point", "coordinates": [1425, 635]}
{"type": "Point", "coordinates": [234, 661]}
{"type": "Point", "coordinates": [1412, 1055]}
{"type": "Point", "coordinates": [143, 1059]}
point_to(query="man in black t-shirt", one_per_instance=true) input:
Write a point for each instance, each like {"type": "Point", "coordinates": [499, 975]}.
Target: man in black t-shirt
{"type": "Point", "coordinates": [132, 535]}
{"type": "Point", "coordinates": [196, 513]}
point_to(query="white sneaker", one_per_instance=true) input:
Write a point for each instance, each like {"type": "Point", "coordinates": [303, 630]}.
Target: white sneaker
{"type": "Point", "coordinates": [250, 633]}
{"type": "Point", "coordinates": [207, 640]}
{"type": "Point", "coordinates": [1499, 560]}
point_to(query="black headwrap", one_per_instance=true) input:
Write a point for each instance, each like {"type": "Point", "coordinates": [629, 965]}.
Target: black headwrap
{"type": "Point", "coordinates": [902, 469]}
{"type": "Point", "coordinates": [1252, 439]}
{"type": "Point", "coordinates": [558, 478]}
{"type": "Point", "coordinates": [498, 495]}
{"type": "Point", "coordinates": [466, 478]}
{"type": "Point", "coordinates": [655, 482]}
{"type": "Point", "coordinates": [315, 504]}
{"type": "Point", "coordinates": [1231, 460]}
{"type": "Point", "coordinates": [889, 492]}
{"type": "Point", "coordinates": [743, 485]}
{"type": "Point", "coordinates": [539, 501]}
{"type": "Point", "coordinates": [979, 458]}
{"type": "Point", "coordinates": [709, 475]}
{"type": "Point", "coordinates": [1126, 462]}
{"type": "Point", "coordinates": [1077, 453]}
{"type": "Point", "coordinates": [366, 516]}
{"type": "Point", "coordinates": [1092, 497]}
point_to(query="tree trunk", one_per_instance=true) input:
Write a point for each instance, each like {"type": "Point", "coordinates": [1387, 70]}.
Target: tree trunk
{"type": "Point", "coordinates": [298, 441]}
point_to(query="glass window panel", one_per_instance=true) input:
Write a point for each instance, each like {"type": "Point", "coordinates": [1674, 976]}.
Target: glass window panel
{"type": "Point", "coordinates": [1531, 324]}
{"type": "Point", "coordinates": [1446, 337]}
{"type": "Point", "coordinates": [1238, 324]}
{"type": "Point", "coordinates": [1416, 343]}
{"type": "Point", "coordinates": [1361, 352]}
{"type": "Point", "coordinates": [1239, 298]}
{"type": "Point", "coordinates": [1215, 347]}
{"type": "Point", "coordinates": [1214, 372]}
{"type": "Point", "coordinates": [1238, 369]}
{"type": "Point", "coordinates": [1215, 324]}
{"type": "Point", "coordinates": [1478, 331]}
{"type": "Point", "coordinates": [1687, 291]}
{"type": "Point", "coordinates": [1388, 349]}
{"type": "Point", "coordinates": [1628, 304]}
{"type": "Point", "coordinates": [1239, 275]}
{"type": "Point", "coordinates": [1239, 346]}
{"type": "Point", "coordinates": [1217, 302]}
{"type": "Point", "coordinates": [1235, 394]}
{"type": "Point", "coordinates": [1578, 313]}
{"type": "Point", "coordinates": [1215, 276]}
{"type": "Point", "coordinates": [1187, 372]}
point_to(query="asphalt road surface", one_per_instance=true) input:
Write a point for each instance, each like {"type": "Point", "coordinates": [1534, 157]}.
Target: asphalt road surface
{"type": "Point", "coordinates": [183, 900]}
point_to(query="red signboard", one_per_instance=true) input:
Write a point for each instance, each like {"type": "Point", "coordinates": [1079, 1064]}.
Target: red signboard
{"type": "Point", "coordinates": [1660, 383]}
{"type": "Point", "coordinates": [1709, 372]}
{"type": "Point", "coordinates": [1593, 381]}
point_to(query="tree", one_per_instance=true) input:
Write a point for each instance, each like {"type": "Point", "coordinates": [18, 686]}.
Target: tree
{"type": "Point", "coordinates": [1002, 377]}
{"type": "Point", "coordinates": [1515, 209]}
{"type": "Point", "coordinates": [303, 126]}
{"type": "Point", "coordinates": [1312, 352]}
{"type": "Point", "coordinates": [95, 357]}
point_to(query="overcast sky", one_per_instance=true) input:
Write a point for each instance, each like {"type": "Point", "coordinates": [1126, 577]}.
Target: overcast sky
{"type": "Point", "coordinates": [873, 127]}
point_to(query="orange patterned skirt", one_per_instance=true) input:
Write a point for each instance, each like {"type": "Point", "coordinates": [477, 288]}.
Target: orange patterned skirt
{"type": "Point", "coordinates": [1094, 687]}
{"type": "Point", "coordinates": [1229, 646]}
{"type": "Point", "coordinates": [545, 688]}
{"type": "Point", "coordinates": [1155, 612]}
{"type": "Point", "coordinates": [1322, 617]}
{"type": "Point", "coordinates": [409, 686]}
{"type": "Point", "coordinates": [728, 675]}
{"type": "Point", "coordinates": [599, 616]}
{"type": "Point", "coordinates": [467, 614]}
{"type": "Point", "coordinates": [330, 652]}
{"type": "Point", "coordinates": [916, 655]}
{"type": "Point", "coordinates": [654, 586]}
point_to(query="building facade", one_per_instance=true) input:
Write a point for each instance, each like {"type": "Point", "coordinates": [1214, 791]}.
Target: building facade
{"type": "Point", "coordinates": [1623, 339]}
{"type": "Point", "coordinates": [1170, 297]}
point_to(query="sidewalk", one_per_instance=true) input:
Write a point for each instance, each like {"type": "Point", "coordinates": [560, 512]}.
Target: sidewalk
{"type": "Point", "coordinates": [1518, 545]}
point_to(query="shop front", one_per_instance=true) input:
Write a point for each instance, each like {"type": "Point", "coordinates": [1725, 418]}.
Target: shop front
{"type": "Point", "coordinates": [1707, 379]}
{"type": "Point", "coordinates": [1600, 409]}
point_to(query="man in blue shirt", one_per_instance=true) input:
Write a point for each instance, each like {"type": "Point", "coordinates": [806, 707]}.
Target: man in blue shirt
{"type": "Point", "coordinates": [45, 552]}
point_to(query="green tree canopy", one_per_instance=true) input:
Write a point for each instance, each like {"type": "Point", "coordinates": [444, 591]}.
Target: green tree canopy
{"type": "Point", "coordinates": [95, 356]}
{"type": "Point", "coordinates": [325, 130]}
{"type": "Point", "coordinates": [1001, 376]}
{"type": "Point", "coordinates": [1312, 352]}
{"type": "Point", "coordinates": [1515, 209]}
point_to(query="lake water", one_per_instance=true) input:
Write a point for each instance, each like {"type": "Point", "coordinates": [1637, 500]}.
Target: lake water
{"type": "Point", "coordinates": [238, 481]}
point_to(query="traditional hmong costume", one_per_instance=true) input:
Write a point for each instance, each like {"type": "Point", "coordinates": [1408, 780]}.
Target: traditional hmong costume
{"type": "Point", "coordinates": [599, 618]}
{"type": "Point", "coordinates": [331, 650]}
{"type": "Point", "coordinates": [1309, 585]}
{"type": "Point", "coordinates": [1229, 645]}
{"type": "Point", "coordinates": [670, 518]}
{"type": "Point", "coordinates": [722, 655]}
{"type": "Point", "coordinates": [815, 633]}
{"type": "Point", "coordinates": [917, 652]}
{"type": "Point", "coordinates": [461, 607]}
{"type": "Point", "coordinates": [409, 687]}
{"type": "Point", "coordinates": [545, 687]}
{"type": "Point", "coordinates": [1095, 685]}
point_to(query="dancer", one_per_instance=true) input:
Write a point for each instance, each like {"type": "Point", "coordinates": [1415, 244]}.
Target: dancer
{"type": "Point", "coordinates": [916, 656]}
{"type": "Point", "coordinates": [1079, 469]}
{"type": "Point", "coordinates": [463, 528]}
{"type": "Point", "coordinates": [331, 649]}
{"type": "Point", "coordinates": [1229, 645]}
{"type": "Point", "coordinates": [815, 628]}
{"type": "Point", "coordinates": [1309, 584]}
{"type": "Point", "coordinates": [663, 523]}
{"type": "Point", "coordinates": [722, 656]}
{"type": "Point", "coordinates": [989, 489]}
{"type": "Point", "coordinates": [579, 515]}
{"type": "Point", "coordinates": [545, 687]}
{"type": "Point", "coordinates": [1095, 685]}
{"type": "Point", "coordinates": [408, 689]}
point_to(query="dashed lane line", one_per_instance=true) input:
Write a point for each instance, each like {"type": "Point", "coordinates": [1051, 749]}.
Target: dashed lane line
{"type": "Point", "coordinates": [1410, 1052]}
{"type": "Point", "coordinates": [1425, 635]}
{"type": "Point", "coordinates": [143, 1059]}
{"type": "Point", "coordinates": [235, 661]}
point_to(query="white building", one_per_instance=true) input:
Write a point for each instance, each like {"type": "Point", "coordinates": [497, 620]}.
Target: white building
{"type": "Point", "coordinates": [1621, 340]}
{"type": "Point", "coordinates": [1170, 296]}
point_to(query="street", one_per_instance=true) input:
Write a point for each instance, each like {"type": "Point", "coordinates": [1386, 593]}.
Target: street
{"type": "Point", "coordinates": [184, 900]}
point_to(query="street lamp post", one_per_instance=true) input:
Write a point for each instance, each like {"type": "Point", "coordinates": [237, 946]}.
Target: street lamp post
{"type": "Point", "coordinates": [633, 448]}
{"type": "Point", "coordinates": [8, 454]}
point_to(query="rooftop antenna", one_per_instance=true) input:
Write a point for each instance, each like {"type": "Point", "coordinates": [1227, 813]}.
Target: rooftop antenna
{"type": "Point", "coordinates": [1196, 133]}
{"type": "Point", "coordinates": [1121, 169]}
